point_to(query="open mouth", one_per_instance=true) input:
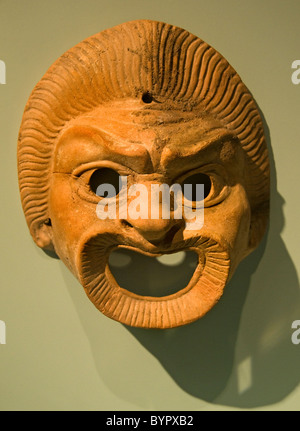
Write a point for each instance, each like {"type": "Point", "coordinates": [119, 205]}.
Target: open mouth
{"type": "Point", "coordinates": [161, 276]}
{"type": "Point", "coordinates": [153, 289]}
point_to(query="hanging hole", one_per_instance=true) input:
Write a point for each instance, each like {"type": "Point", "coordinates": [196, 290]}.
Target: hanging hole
{"type": "Point", "coordinates": [147, 97]}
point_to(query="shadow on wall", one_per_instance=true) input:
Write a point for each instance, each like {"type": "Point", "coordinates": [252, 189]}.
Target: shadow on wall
{"type": "Point", "coordinates": [240, 354]}
{"type": "Point", "coordinates": [247, 336]}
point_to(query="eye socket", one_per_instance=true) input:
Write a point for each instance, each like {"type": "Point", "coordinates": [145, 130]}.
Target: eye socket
{"type": "Point", "coordinates": [190, 186]}
{"type": "Point", "coordinates": [108, 179]}
{"type": "Point", "coordinates": [215, 181]}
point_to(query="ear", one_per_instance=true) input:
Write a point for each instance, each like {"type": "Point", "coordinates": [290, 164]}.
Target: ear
{"type": "Point", "coordinates": [42, 235]}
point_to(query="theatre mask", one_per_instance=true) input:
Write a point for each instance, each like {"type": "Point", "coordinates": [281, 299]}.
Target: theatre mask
{"type": "Point", "coordinates": [143, 140]}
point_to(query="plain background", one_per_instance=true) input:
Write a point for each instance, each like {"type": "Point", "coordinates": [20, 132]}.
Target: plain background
{"type": "Point", "coordinates": [61, 353]}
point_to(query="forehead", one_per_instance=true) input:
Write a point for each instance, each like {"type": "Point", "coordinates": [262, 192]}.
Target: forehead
{"type": "Point", "coordinates": [131, 129]}
{"type": "Point", "coordinates": [133, 121]}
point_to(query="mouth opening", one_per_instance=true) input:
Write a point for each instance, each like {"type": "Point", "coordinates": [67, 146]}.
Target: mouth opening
{"type": "Point", "coordinates": [153, 290]}
{"type": "Point", "coordinates": [155, 276]}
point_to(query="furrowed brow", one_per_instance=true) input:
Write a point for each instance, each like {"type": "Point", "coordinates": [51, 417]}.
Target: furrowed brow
{"type": "Point", "coordinates": [82, 144]}
{"type": "Point", "coordinates": [193, 154]}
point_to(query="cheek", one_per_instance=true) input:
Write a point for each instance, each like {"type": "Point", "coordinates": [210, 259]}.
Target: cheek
{"type": "Point", "coordinates": [231, 221]}
{"type": "Point", "coordinates": [70, 217]}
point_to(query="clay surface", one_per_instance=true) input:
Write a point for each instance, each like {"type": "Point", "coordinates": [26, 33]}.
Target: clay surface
{"type": "Point", "coordinates": [154, 104]}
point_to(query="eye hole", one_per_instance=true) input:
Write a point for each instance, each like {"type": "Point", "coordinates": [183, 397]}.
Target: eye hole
{"type": "Point", "coordinates": [190, 186]}
{"type": "Point", "coordinates": [105, 182]}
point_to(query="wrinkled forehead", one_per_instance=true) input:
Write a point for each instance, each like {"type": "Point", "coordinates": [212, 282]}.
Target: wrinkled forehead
{"type": "Point", "coordinates": [155, 133]}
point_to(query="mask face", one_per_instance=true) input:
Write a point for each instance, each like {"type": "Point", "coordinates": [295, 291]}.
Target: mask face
{"type": "Point", "coordinates": [166, 160]}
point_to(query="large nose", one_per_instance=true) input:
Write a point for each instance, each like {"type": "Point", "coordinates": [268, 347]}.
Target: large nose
{"type": "Point", "coordinates": [155, 231]}
{"type": "Point", "coordinates": [155, 219]}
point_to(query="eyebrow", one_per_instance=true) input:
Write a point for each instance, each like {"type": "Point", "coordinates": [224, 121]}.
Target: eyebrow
{"type": "Point", "coordinates": [134, 155]}
{"type": "Point", "coordinates": [175, 157]}
{"type": "Point", "coordinates": [106, 145]}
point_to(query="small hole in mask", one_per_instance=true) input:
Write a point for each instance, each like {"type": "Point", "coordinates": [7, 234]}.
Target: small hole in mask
{"type": "Point", "coordinates": [190, 192]}
{"type": "Point", "coordinates": [147, 97]}
{"type": "Point", "coordinates": [106, 178]}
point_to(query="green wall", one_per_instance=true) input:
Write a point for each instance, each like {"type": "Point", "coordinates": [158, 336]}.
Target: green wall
{"type": "Point", "coordinates": [60, 352]}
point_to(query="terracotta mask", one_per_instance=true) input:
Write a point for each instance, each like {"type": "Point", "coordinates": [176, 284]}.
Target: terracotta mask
{"type": "Point", "coordinates": [142, 104]}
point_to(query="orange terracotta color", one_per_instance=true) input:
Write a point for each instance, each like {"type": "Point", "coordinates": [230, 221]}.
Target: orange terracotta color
{"type": "Point", "coordinates": [156, 104]}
